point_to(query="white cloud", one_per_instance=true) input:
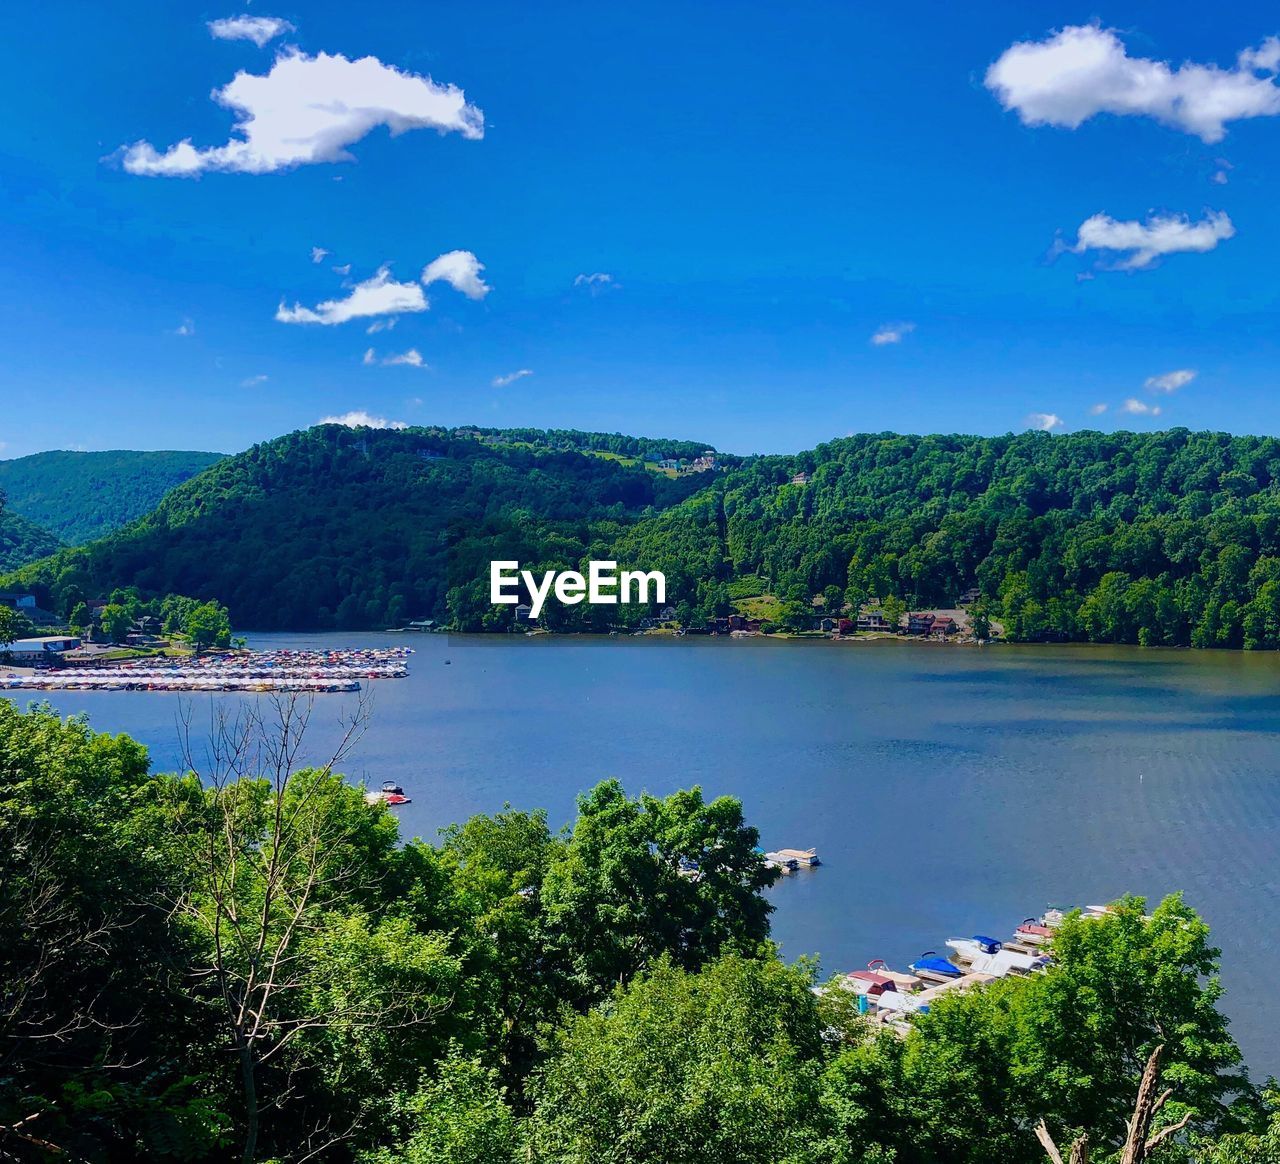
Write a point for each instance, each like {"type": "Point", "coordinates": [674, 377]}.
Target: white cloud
{"type": "Point", "coordinates": [1097, 409]}
{"type": "Point", "coordinates": [258, 29]}
{"type": "Point", "coordinates": [345, 269]}
{"type": "Point", "coordinates": [253, 381]}
{"type": "Point", "coordinates": [380, 325]}
{"type": "Point", "coordinates": [891, 333]}
{"type": "Point", "coordinates": [1265, 58]}
{"type": "Point", "coordinates": [358, 418]}
{"type": "Point", "coordinates": [511, 377]}
{"type": "Point", "coordinates": [1170, 381]}
{"type": "Point", "coordinates": [1044, 421]}
{"type": "Point", "coordinates": [310, 109]}
{"type": "Point", "coordinates": [1139, 408]}
{"type": "Point", "coordinates": [1145, 242]}
{"type": "Point", "coordinates": [410, 359]}
{"type": "Point", "coordinates": [380, 295]}
{"type": "Point", "coordinates": [186, 327]}
{"type": "Point", "coordinates": [461, 270]}
{"type": "Point", "coordinates": [1219, 178]}
{"type": "Point", "coordinates": [318, 254]}
{"type": "Point", "coordinates": [1084, 70]}
{"type": "Point", "coordinates": [596, 280]}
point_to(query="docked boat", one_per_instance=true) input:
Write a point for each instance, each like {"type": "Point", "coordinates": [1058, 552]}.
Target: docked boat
{"type": "Point", "coordinates": [779, 860]}
{"type": "Point", "coordinates": [800, 856]}
{"type": "Point", "coordinates": [870, 983]}
{"type": "Point", "coordinates": [903, 981]}
{"type": "Point", "coordinates": [1005, 962]}
{"type": "Point", "coordinates": [932, 967]}
{"type": "Point", "coordinates": [1033, 933]}
{"type": "Point", "coordinates": [967, 949]}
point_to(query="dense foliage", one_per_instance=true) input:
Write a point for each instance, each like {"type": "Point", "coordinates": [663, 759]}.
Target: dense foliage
{"type": "Point", "coordinates": [1159, 538]}
{"type": "Point", "coordinates": [1154, 538]}
{"type": "Point", "coordinates": [22, 541]}
{"type": "Point", "coordinates": [80, 496]}
{"type": "Point", "coordinates": [339, 528]}
{"type": "Point", "coordinates": [250, 966]}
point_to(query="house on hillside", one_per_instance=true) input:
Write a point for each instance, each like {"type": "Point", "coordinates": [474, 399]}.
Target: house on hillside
{"type": "Point", "coordinates": [919, 624]}
{"type": "Point", "coordinates": [944, 625]}
{"type": "Point", "coordinates": [801, 479]}
{"type": "Point", "coordinates": [669, 463]}
{"type": "Point", "coordinates": [524, 615]}
{"type": "Point", "coordinates": [970, 596]}
{"type": "Point", "coordinates": [706, 463]}
{"type": "Point", "coordinates": [873, 620]}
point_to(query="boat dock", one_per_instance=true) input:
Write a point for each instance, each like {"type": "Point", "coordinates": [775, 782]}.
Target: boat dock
{"type": "Point", "coordinates": [789, 860]}
{"type": "Point", "coordinates": [247, 672]}
{"type": "Point", "coordinates": [894, 998]}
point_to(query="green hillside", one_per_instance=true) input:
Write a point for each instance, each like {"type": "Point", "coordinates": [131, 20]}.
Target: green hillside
{"type": "Point", "coordinates": [334, 527]}
{"type": "Point", "coordinates": [81, 496]}
{"type": "Point", "coordinates": [1158, 538]}
{"type": "Point", "coordinates": [22, 541]}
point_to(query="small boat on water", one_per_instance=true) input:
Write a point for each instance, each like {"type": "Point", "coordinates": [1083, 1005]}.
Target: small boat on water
{"type": "Point", "coordinates": [1005, 962]}
{"type": "Point", "coordinates": [779, 860]}
{"type": "Point", "coordinates": [390, 793]}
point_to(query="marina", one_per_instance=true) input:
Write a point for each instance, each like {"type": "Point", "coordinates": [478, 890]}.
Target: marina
{"type": "Point", "coordinates": [894, 997]}
{"type": "Point", "coordinates": [246, 672]}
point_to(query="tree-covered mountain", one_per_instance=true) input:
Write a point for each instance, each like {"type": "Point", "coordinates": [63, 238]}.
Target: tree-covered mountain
{"type": "Point", "coordinates": [22, 541]}
{"type": "Point", "coordinates": [81, 496]}
{"type": "Point", "coordinates": [335, 527]}
{"type": "Point", "coordinates": [1160, 538]}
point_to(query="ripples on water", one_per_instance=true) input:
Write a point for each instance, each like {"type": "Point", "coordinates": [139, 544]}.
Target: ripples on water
{"type": "Point", "coordinates": [949, 790]}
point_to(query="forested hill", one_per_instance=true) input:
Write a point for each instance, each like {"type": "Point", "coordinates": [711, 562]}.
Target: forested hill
{"type": "Point", "coordinates": [335, 527]}
{"type": "Point", "coordinates": [80, 496]}
{"type": "Point", "coordinates": [1161, 538]}
{"type": "Point", "coordinates": [22, 540]}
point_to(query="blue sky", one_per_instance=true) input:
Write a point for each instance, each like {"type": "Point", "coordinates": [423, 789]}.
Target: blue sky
{"type": "Point", "coordinates": [767, 188]}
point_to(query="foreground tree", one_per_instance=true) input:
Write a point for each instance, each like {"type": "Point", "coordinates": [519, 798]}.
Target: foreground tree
{"type": "Point", "coordinates": [718, 1067]}
{"type": "Point", "coordinates": [649, 877]}
{"type": "Point", "coordinates": [285, 866]}
{"type": "Point", "coordinates": [100, 1044]}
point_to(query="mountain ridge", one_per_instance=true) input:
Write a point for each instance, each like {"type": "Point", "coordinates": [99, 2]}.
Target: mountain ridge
{"type": "Point", "coordinates": [1166, 538]}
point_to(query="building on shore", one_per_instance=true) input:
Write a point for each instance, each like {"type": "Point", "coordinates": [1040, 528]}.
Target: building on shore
{"type": "Point", "coordinates": [41, 649]}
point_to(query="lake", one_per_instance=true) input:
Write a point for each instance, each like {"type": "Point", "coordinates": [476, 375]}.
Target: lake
{"type": "Point", "coordinates": [949, 790]}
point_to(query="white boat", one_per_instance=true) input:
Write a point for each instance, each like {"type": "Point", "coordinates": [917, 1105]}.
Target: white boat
{"type": "Point", "coordinates": [1006, 962]}
{"type": "Point", "coordinates": [967, 949]}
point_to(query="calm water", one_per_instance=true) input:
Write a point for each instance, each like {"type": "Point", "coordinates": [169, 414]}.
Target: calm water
{"type": "Point", "coordinates": [948, 790]}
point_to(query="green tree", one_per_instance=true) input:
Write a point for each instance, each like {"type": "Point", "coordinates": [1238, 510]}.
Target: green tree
{"type": "Point", "coordinates": [893, 608]}
{"type": "Point", "coordinates": [460, 1117]}
{"type": "Point", "coordinates": [207, 625]}
{"type": "Point", "coordinates": [719, 1066]}
{"type": "Point", "coordinates": [104, 1047]}
{"type": "Point", "coordinates": [9, 625]}
{"type": "Point", "coordinates": [116, 622]}
{"type": "Point", "coordinates": [79, 618]}
{"type": "Point", "coordinates": [646, 877]}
